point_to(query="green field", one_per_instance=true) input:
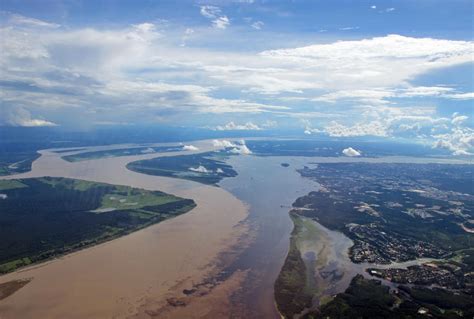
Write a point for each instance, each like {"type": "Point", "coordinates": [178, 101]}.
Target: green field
{"type": "Point", "coordinates": [45, 217]}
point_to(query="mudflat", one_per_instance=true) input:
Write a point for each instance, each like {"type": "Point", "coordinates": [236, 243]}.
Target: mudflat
{"type": "Point", "coordinates": [136, 274]}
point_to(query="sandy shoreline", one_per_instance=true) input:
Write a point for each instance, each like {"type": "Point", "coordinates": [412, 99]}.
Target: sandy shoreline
{"type": "Point", "coordinates": [136, 274]}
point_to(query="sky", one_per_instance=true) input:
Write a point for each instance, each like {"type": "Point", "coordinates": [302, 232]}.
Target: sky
{"type": "Point", "coordinates": [400, 70]}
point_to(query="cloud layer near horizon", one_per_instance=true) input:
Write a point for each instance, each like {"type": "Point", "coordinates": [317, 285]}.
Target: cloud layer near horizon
{"type": "Point", "coordinates": [142, 72]}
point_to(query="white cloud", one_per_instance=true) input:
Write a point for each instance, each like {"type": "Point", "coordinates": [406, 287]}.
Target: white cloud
{"type": "Point", "coordinates": [383, 95]}
{"type": "Point", "coordinates": [461, 96]}
{"type": "Point", "coordinates": [221, 23]}
{"type": "Point", "coordinates": [190, 148]}
{"type": "Point", "coordinates": [148, 150]}
{"type": "Point", "coordinates": [389, 9]}
{"type": "Point", "coordinates": [223, 143]}
{"type": "Point", "coordinates": [373, 7]}
{"type": "Point", "coordinates": [374, 128]}
{"type": "Point", "coordinates": [364, 64]}
{"type": "Point", "coordinates": [187, 33]}
{"type": "Point", "coordinates": [460, 141]}
{"type": "Point", "coordinates": [241, 148]}
{"type": "Point", "coordinates": [459, 119]}
{"type": "Point", "coordinates": [231, 126]}
{"type": "Point", "coordinates": [351, 152]}
{"type": "Point", "coordinates": [22, 20]}
{"type": "Point", "coordinates": [348, 28]}
{"type": "Point", "coordinates": [200, 169]}
{"type": "Point", "coordinates": [210, 12]}
{"type": "Point", "coordinates": [258, 25]}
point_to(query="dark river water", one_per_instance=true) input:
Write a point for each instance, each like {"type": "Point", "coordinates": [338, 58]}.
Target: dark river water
{"type": "Point", "coordinates": [269, 189]}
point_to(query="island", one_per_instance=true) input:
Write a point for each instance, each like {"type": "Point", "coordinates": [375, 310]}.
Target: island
{"type": "Point", "coordinates": [207, 168]}
{"type": "Point", "coordinates": [117, 152]}
{"type": "Point", "coordinates": [43, 218]}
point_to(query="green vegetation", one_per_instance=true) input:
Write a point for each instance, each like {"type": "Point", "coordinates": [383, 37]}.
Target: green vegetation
{"type": "Point", "coordinates": [292, 293]}
{"type": "Point", "coordinates": [363, 299]}
{"type": "Point", "coordinates": [44, 217]}
{"type": "Point", "coordinates": [118, 152]}
{"type": "Point", "coordinates": [11, 184]}
{"type": "Point", "coordinates": [368, 298]}
{"type": "Point", "coordinates": [440, 301]}
{"type": "Point", "coordinates": [206, 168]}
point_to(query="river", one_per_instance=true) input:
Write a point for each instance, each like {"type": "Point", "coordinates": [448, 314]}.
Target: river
{"type": "Point", "coordinates": [135, 275]}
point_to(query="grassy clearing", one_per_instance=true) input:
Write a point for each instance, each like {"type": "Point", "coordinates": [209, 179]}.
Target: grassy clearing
{"type": "Point", "coordinates": [134, 199]}
{"type": "Point", "coordinates": [11, 184]}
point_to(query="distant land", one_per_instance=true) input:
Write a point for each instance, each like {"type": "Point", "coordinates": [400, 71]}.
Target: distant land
{"type": "Point", "coordinates": [119, 152]}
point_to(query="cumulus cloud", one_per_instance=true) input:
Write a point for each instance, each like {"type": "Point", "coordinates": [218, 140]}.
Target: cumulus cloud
{"type": "Point", "coordinates": [236, 148]}
{"type": "Point", "coordinates": [351, 152]}
{"type": "Point", "coordinates": [223, 143]}
{"type": "Point", "coordinates": [241, 148]}
{"type": "Point", "coordinates": [190, 148]}
{"type": "Point", "coordinates": [231, 126]}
{"type": "Point", "coordinates": [460, 141]}
{"type": "Point", "coordinates": [200, 169]}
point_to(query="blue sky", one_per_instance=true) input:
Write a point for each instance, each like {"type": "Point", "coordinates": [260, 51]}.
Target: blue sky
{"type": "Point", "coordinates": [391, 69]}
